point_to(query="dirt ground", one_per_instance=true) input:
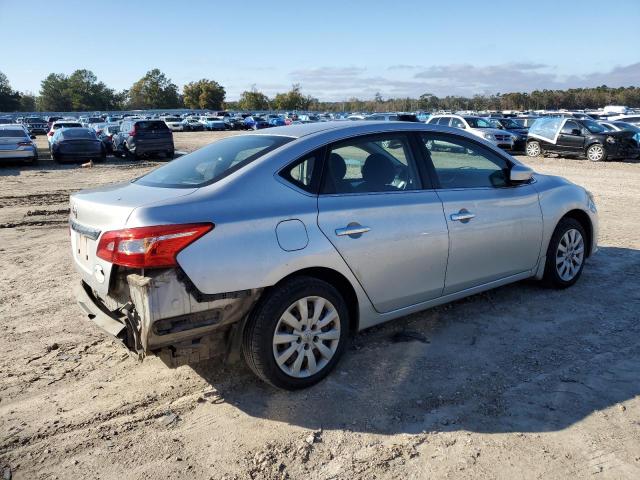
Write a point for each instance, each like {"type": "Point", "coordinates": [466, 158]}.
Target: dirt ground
{"type": "Point", "coordinates": [519, 382]}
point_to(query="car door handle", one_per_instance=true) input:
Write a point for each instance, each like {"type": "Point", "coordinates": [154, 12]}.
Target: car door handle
{"type": "Point", "coordinates": [462, 216]}
{"type": "Point", "coordinates": [352, 230]}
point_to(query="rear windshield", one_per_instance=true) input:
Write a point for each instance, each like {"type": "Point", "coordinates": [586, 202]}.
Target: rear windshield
{"type": "Point", "coordinates": [78, 133]}
{"type": "Point", "coordinates": [65, 125]}
{"type": "Point", "coordinates": [34, 120]}
{"type": "Point", "coordinates": [12, 133]}
{"type": "Point", "coordinates": [151, 125]}
{"type": "Point", "coordinates": [213, 162]}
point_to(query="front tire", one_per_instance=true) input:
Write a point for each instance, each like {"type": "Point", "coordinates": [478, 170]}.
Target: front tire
{"type": "Point", "coordinates": [596, 153]}
{"type": "Point", "coordinates": [566, 254]}
{"type": "Point", "coordinates": [297, 333]}
{"type": "Point", "coordinates": [533, 149]}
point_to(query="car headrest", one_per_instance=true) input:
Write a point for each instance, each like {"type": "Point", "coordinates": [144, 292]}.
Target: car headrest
{"type": "Point", "coordinates": [337, 166]}
{"type": "Point", "coordinates": [378, 170]}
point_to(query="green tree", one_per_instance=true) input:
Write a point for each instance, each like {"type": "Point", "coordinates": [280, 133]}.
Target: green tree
{"type": "Point", "coordinates": [204, 94]}
{"type": "Point", "coordinates": [253, 100]}
{"type": "Point", "coordinates": [154, 90]}
{"type": "Point", "coordinates": [27, 102]}
{"type": "Point", "coordinates": [9, 98]}
{"type": "Point", "coordinates": [87, 93]}
{"type": "Point", "coordinates": [54, 94]}
{"type": "Point", "coordinates": [292, 100]}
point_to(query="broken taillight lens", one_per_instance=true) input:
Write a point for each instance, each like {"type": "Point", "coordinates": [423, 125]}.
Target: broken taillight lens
{"type": "Point", "coordinates": [147, 247]}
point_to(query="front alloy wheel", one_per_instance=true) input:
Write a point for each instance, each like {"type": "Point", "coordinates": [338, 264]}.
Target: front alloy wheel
{"type": "Point", "coordinates": [533, 149]}
{"type": "Point", "coordinates": [596, 153]}
{"type": "Point", "coordinates": [566, 254]}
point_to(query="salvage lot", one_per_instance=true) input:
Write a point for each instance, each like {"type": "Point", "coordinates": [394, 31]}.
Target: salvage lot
{"type": "Point", "coordinates": [519, 381]}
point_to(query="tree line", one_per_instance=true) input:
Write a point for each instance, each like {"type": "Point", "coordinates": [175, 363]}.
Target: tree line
{"type": "Point", "coordinates": [81, 91]}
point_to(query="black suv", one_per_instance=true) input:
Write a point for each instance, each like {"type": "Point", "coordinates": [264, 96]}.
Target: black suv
{"type": "Point", "coordinates": [583, 138]}
{"type": "Point", "coordinates": [36, 125]}
{"type": "Point", "coordinates": [510, 125]}
{"type": "Point", "coordinates": [138, 138]}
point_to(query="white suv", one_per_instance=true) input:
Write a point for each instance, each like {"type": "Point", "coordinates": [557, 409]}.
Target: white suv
{"type": "Point", "coordinates": [478, 126]}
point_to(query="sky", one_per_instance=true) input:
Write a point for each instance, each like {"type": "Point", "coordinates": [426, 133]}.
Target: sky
{"type": "Point", "coordinates": [335, 50]}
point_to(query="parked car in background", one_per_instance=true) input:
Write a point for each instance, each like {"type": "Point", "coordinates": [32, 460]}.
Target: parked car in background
{"type": "Point", "coordinates": [213, 123]}
{"type": "Point", "coordinates": [36, 125]}
{"type": "Point", "coordinates": [113, 118]}
{"type": "Point", "coordinates": [174, 123]}
{"type": "Point", "coordinates": [50, 121]}
{"type": "Point", "coordinates": [106, 136]}
{"type": "Point", "coordinates": [76, 144]}
{"type": "Point", "coordinates": [256, 122]}
{"type": "Point", "coordinates": [17, 144]}
{"type": "Point", "coordinates": [518, 131]}
{"type": "Point", "coordinates": [478, 126]}
{"type": "Point", "coordinates": [618, 126]}
{"type": "Point", "coordinates": [7, 121]}
{"type": "Point", "coordinates": [138, 138]}
{"type": "Point", "coordinates": [57, 125]}
{"type": "Point", "coordinates": [235, 123]}
{"type": "Point", "coordinates": [633, 119]}
{"type": "Point", "coordinates": [584, 138]}
{"type": "Point", "coordinates": [264, 242]}
{"type": "Point", "coordinates": [192, 125]}
{"type": "Point", "coordinates": [276, 121]}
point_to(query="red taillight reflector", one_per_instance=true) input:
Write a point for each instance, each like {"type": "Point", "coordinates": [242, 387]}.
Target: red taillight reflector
{"type": "Point", "coordinates": [147, 247]}
{"type": "Point", "coordinates": [51, 132]}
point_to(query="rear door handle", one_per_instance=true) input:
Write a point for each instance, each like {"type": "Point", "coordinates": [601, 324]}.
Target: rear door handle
{"type": "Point", "coordinates": [352, 230]}
{"type": "Point", "coordinates": [463, 216]}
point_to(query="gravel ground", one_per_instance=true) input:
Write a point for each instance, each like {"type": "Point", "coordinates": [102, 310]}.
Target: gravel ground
{"type": "Point", "coordinates": [519, 382]}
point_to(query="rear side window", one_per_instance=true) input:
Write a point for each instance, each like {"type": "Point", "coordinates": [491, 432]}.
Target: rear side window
{"type": "Point", "coordinates": [213, 162]}
{"type": "Point", "coordinates": [301, 173]}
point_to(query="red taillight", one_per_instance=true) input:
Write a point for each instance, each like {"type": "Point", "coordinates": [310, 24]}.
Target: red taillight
{"type": "Point", "coordinates": [51, 132]}
{"type": "Point", "coordinates": [147, 247]}
{"type": "Point", "coordinates": [133, 131]}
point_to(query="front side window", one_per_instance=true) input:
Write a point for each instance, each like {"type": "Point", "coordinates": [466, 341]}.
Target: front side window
{"type": "Point", "coordinates": [444, 121]}
{"type": "Point", "coordinates": [213, 162]}
{"type": "Point", "coordinates": [461, 163]}
{"type": "Point", "coordinates": [457, 123]}
{"type": "Point", "coordinates": [379, 163]}
{"type": "Point", "coordinates": [569, 128]}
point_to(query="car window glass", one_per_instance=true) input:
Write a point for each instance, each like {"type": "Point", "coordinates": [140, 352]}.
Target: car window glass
{"type": "Point", "coordinates": [380, 163]}
{"type": "Point", "coordinates": [457, 123]}
{"type": "Point", "coordinates": [444, 121]}
{"type": "Point", "coordinates": [569, 127]}
{"type": "Point", "coordinates": [460, 163]}
{"type": "Point", "coordinates": [301, 173]}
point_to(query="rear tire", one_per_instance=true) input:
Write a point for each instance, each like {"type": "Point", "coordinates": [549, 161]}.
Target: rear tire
{"type": "Point", "coordinates": [304, 323]}
{"type": "Point", "coordinates": [566, 254]}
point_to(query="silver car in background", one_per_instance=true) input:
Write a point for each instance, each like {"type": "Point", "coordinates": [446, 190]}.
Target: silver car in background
{"type": "Point", "coordinates": [283, 243]}
{"type": "Point", "coordinates": [17, 144]}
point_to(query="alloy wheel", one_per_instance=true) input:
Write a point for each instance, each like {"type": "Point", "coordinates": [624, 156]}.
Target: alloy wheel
{"type": "Point", "coordinates": [595, 153]}
{"type": "Point", "coordinates": [533, 149]}
{"type": "Point", "coordinates": [570, 254]}
{"type": "Point", "coordinates": [306, 337]}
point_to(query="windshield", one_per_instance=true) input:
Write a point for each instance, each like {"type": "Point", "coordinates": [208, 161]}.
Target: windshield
{"type": "Point", "coordinates": [476, 122]}
{"type": "Point", "coordinates": [508, 123]}
{"type": "Point", "coordinates": [627, 126]}
{"type": "Point", "coordinates": [212, 162]}
{"type": "Point", "coordinates": [172, 119]}
{"type": "Point", "coordinates": [34, 120]}
{"type": "Point", "coordinates": [593, 127]}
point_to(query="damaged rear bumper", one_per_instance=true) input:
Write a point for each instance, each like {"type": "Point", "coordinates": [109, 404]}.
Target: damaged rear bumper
{"type": "Point", "coordinates": [164, 317]}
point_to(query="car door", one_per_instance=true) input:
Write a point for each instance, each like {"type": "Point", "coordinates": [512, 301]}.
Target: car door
{"type": "Point", "coordinates": [570, 138]}
{"type": "Point", "coordinates": [386, 224]}
{"type": "Point", "coordinates": [495, 229]}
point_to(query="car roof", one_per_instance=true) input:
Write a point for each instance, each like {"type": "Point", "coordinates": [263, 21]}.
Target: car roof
{"type": "Point", "coordinates": [12, 126]}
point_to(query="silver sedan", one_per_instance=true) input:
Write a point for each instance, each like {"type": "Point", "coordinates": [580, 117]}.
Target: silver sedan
{"type": "Point", "coordinates": [283, 243]}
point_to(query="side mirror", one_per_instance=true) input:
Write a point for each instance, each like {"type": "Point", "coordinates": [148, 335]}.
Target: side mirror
{"type": "Point", "coordinates": [576, 131]}
{"type": "Point", "coordinates": [520, 174]}
{"type": "Point", "coordinates": [32, 137]}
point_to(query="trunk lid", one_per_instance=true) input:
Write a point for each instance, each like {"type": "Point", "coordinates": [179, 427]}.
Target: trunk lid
{"type": "Point", "coordinates": [98, 210]}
